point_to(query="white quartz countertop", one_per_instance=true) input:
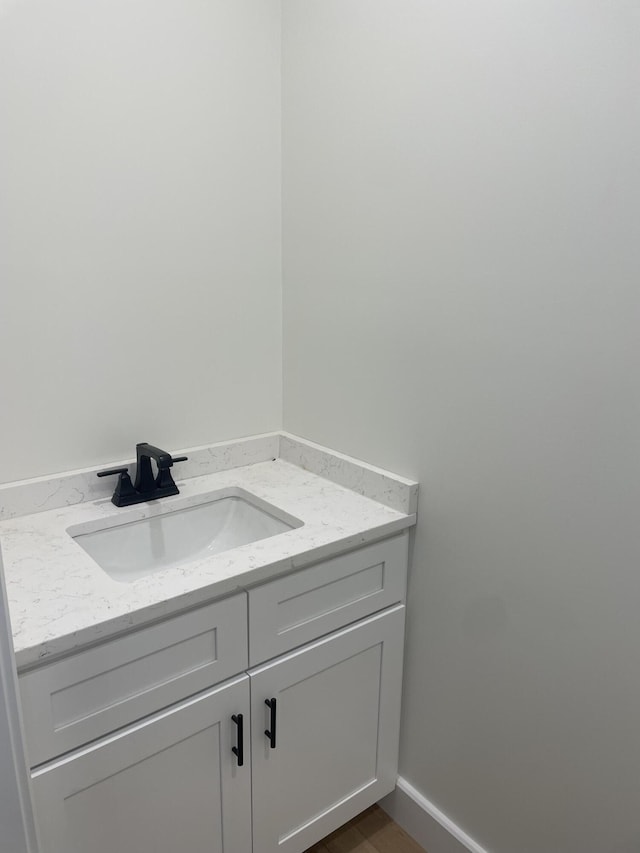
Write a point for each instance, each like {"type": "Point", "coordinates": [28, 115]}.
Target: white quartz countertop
{"type": "Point", "coordinates": [61, 600]}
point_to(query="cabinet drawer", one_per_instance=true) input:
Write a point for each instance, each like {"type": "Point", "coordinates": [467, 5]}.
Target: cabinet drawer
{"type": "Point", "coordinates": [82, 697]}
{"type": "Point", "coordinates": [305, 605]}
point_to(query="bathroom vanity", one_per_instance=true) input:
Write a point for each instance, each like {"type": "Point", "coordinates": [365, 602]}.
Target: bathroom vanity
{"type": "Point", "coordinates": [241, 700]}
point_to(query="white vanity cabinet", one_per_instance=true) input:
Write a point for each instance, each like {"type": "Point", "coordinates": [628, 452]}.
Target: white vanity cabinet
{"type": "Point", "coordinates": [135, 748]}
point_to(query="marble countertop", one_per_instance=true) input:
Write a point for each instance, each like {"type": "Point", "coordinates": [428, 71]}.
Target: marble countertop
{"type": "Point", "coordinates": [60, 599]}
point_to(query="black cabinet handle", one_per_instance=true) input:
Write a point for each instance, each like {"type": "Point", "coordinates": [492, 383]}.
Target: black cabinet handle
{"type": "Point", "coordinates": [271, 731]}
{"type": "Point", "coordinates": [239, 749]}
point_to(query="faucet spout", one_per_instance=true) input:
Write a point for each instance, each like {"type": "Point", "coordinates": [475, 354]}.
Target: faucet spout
{"type": "Point", "coordinates": [145, 482]}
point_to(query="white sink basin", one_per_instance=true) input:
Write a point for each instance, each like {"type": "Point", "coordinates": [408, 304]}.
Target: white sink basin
{"type": "Point", "coordinates": [132, 547]}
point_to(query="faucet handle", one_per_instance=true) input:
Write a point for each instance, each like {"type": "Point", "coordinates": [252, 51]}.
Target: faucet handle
{"type": "Point", "coordinates": [164, 480]}
{"type": "Point", "coordinates": [111, 471]}
{"type": "Point", "coordinates": [124, 490]}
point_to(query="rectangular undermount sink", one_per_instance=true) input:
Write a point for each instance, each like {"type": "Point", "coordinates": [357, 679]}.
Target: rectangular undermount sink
{"type": "Point", "coordinates": [132, 547]}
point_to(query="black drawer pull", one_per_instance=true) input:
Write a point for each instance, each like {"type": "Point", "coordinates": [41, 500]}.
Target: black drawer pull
{"type": "Point", "coordinates": [271, 731]}
{"type": "Point", "coordinates": [239, 749]}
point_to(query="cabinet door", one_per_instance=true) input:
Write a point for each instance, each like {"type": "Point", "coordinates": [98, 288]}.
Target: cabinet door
{"type": "Point", "coordinates": [337, 725]}
{"type": "Point", "coordinates": [166, 784]}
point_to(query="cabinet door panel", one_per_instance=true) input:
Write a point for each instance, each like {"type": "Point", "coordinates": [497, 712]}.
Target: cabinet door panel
{"type": "Point", "coordinates": [84, 697]}
{"type": "Point", "coordinates": [166, 784]}
{"type": "Point", "coordinates": [337, 725]}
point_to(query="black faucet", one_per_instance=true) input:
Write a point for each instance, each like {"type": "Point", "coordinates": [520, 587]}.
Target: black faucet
{"type": "Point", "coordinates": [147, 487]}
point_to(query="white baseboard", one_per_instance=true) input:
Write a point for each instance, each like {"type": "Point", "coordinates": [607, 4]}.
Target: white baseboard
{"type": "Point", "coordinates": [430, 827]}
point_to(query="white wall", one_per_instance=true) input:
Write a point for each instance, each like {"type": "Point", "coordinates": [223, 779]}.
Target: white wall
{"type": "Point", "coordinates": [462, 305]}
{"type": "Point", "coordinates": [140, 276]}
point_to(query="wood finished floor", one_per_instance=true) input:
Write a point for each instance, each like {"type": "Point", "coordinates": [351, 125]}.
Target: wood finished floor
{"type": "Point", "coordinates": [371, 832]}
